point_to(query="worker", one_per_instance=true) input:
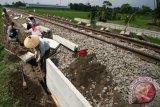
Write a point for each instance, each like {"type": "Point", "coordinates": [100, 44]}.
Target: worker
{"type": "Point", "coordinates": [35, 30]}
{"type": "Point", "coordinates": [4, 12]}
{"type": "Point", "coordinates": [41, 47]}
{"type": "Point", "coordinates": [31, 22]}
{"type": "Point", "coordinates": [32, 19]}
{"type": "Point", "coordinates": [12, 32]}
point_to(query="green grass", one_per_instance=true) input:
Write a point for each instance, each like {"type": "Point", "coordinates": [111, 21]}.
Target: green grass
{"type": "Point", "coordinates": [1, 22]}
{"type": "Point", "coordinates": [140, 22]}
{"type": "Point", "coordinates": [153, 40]}
{"type": "Point", "coordinates": [6, 68]}
{"type": "Point", "coordinates": [70, 14]}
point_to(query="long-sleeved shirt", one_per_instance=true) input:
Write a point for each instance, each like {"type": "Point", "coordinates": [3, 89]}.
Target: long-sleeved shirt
{"type": "Point", "coordinates": [36, 31]}
{"type": "Point", "coordinates": [9, 30]}
{"type": "Point", "coordinates": [42, 48]}
{"type": "Point", "coordinates": [33, 21]}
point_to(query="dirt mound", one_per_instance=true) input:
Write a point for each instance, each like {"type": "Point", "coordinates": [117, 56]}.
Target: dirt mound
{"type": "Point", "coordinates": [94, 82]}
{"type": "Point", "coordinates": [88, 76]}
{"type": "Point", "coordinates": [13, 58]}
{"type": "Point", "coordinates": [33, 96]}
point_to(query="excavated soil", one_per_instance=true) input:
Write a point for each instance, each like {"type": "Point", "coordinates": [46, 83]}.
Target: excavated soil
{"type": "Point", "coordinates": [88, 76]}
{"type": "Point", "coordinates": [32, 96]}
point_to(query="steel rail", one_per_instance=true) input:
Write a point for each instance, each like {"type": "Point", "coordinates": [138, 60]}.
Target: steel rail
{"type": "Point", "coordinates": [147, 56]}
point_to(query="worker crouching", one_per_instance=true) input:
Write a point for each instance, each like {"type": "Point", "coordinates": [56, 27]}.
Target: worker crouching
{"type": "Point", "coordinates": [12, 32]}
{"type": "Point", "coordinates": [41, 47]}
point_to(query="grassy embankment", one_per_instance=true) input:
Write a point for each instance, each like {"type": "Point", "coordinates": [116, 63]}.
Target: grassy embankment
{"type": "Point", "coordinates": [140, 21]}
{"type": "Point", "coordinates": [6, 68]}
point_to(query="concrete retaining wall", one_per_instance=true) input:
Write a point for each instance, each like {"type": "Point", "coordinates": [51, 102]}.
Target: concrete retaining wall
{"type": "Point", "coordinates": [61, 88]}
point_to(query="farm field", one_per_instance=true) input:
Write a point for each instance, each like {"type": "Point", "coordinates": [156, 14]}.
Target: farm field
{"type": "Point", "coordinates": [140, 21]}
{"type": "Point", "coordinates": [70, 14]}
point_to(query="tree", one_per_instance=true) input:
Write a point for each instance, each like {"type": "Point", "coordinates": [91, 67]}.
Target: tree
{"type": "Point", "coordinates": [18, 4]}
{"type": "Point", "coordinates": [105, 12]}
{"type": "Point", "coordinates": [93, 15]}
{"type": "Point", "coordinates": [80, 6]}
{"type": "Point", "coordinates": [144, 10]}
{"type": "Point", "coordinates": [126, 8]}
{"type": "Point", "coordinates": [156, 13]}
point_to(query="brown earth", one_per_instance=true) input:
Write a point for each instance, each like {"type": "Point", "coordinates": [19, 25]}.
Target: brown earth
{"type": "Point", "coordinates": [32, 96]}
{"type": "Point", "coordinates": [88, 76]}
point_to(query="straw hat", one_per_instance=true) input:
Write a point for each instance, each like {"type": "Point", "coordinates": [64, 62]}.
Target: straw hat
{"type": "Point", "coordinates": [31, 41]}
{"type": "Point", "coordinates": [30, 16]}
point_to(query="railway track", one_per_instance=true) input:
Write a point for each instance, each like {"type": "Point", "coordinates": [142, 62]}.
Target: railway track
{"type": "Point", "coordinates": [152, 53]}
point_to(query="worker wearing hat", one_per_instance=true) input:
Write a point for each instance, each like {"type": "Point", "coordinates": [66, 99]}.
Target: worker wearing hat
{"type": "Point", "coordinates": [42, 49]}
{"type": "Point", "coordinates": [31, 22]}
{"type": "Point", "coordinates": [12, 32]}
{"type": "Point", "coordinates": [32, 19]}
{"type": "Point", "coordinates": [35, 30]}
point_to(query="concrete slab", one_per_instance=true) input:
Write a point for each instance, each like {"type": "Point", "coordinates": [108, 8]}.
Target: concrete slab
{"type": "Point", "coordinates": [128, 33]}
{"type": "Point", "coordinates": [108, 29]}
{"type": "Point", "coordinates": [102, 28]}
{"type": "Point", "coordinates": [88, 25]}
{"type": "Point", "coordinates": [65, 42]}
{"type": "Point", "coordinates": [44, 29]}
{"type": "Point", "coordinates": [122, 32]}
{"type": "Point", "coordinates": [15, 18]}
{"type": "Point", "coordinates": [24, 25]}
{"type": "Point", "coordinates": [53, 44]}
{"type": "Point", "coordinates": [26, 57]}
{"type": "Point", "coordinates": [62, 89]}
{"type": "Point", "coordinates": [140, 34]}
{"type": "Point", "coordinates": [79, 23]}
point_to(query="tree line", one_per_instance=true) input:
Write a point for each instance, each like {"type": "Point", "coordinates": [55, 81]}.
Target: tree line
{"type": "Point", "coordinates": [105, 12]}
{"type": "Point", "coordinates": [15, 4]}
{"type": "Point", "coordinates": [124, 8]}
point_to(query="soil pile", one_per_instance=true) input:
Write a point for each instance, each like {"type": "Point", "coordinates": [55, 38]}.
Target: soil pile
{"type": "Point", "coordinates": [32, 96]}
{"type": "Point", "coordinates": [94, 82]}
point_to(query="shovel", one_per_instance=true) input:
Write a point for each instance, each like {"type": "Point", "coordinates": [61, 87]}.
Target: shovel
{"type": "Point", "coordinates": [23, 77]}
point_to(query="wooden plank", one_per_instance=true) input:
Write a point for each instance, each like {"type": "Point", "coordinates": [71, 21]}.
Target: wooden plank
{"type": "Point", "coordinates": [62, 89]}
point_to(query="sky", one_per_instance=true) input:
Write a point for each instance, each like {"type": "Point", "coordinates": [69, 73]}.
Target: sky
{"type": "Point", "coordinates": [115, 3]}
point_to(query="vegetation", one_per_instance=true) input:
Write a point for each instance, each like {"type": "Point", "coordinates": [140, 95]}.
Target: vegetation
{"type": "Point", "coordinates": [15, 4]}
{"type": "Point", "coordinates": [18, 4]}
{"type": "Point", "coordinates": [80, 6]}
{"type": "Point", "coordinates": [71, 14]}
{"type": "Point", "coordinates": [156, 13]}
{"type": "Point", "coordinates": [5, 72]}
{"type": "Point", "coordinates": [6, 68]}
{"type": "Point", "coordinates": [1, 23]}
